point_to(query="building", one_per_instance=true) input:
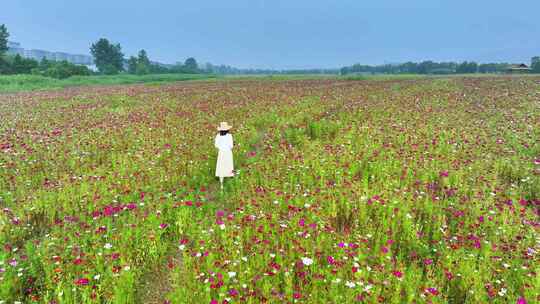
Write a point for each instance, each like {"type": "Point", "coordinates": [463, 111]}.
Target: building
{"type": "Point", "coordinates": [15, 48]}
{"type": "Point", "coordinates": [518, 69]}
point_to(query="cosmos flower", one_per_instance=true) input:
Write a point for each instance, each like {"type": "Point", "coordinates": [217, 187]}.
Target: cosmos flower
{"type": "Point", "coordinates": [307, 261]}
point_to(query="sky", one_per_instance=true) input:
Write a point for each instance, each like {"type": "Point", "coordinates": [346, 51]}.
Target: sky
{"type": "Point", "coordinates": [285, 34]}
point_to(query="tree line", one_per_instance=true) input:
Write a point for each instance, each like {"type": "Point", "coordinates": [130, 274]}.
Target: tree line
{"type": "Point", "coordinates": [431, 67]}
{"type": "Point", "coordinates": [108, 59]}
{"type": "Point", "coordinates": [17, 64]}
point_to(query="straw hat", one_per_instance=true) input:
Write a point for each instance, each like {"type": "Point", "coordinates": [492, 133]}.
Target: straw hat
{"type": "Point", "coordinates": [224, 127]}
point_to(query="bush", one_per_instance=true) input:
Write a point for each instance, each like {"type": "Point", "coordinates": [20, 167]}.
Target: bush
{"type": "Point", "coordinates": [322, 129]}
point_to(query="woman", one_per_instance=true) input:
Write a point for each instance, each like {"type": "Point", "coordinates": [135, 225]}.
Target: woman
{"type": "Point", "coordinates": [224, 142]}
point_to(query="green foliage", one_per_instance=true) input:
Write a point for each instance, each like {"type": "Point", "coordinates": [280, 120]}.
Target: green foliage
{"type": "Point", "coordinates": [132, 65]}
{"type": "Point", "coordinates": [322, 129]}
{"type": "Point", "coordinates": [294, 136]}
{"type": "Point", "coordinates": [4, 35]}
{"type": "Point", "coordinates": [108, 57]}
{"type": "Point", "coordinates": [191, 65]}
{"type": "Point", "coordinates": [61, 70]}
{"type": "Point", "coordinates": [535, 64]}
{"type": "Point", "coordinates": [17, 83]}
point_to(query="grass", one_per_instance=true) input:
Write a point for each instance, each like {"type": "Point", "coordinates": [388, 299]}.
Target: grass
{"type": "Point", "coordinates": [18, 83]}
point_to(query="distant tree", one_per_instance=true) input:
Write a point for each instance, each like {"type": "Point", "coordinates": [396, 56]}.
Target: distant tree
{"type": "Point", "coordinates": [108, 57]}
{"type": "Point", "coordinates": [143, 63]}
{"type": "Point", "coordinates": [4, 35]}
{"type": "Point", "coordinates": [191, 65]}
{"type": "Point", "coordinates": [132, 65]}
{"type": "Point", "coordinates": [535, 64]}
{"type": "Point", "coordinates": [22, 65]}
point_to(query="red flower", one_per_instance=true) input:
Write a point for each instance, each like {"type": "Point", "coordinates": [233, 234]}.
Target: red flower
{"type": "Point", "coordinates": [297, 295]}
{"type": "Point", "coordinates": [433, 291]}
{"type": "Point", "coordinates": [82, 281]}
{"type": "Point", "coordinates": [330, 260]}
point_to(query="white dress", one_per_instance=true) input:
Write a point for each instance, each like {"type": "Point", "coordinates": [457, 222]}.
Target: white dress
{"type": "Point", "coordinates": [224, 165]}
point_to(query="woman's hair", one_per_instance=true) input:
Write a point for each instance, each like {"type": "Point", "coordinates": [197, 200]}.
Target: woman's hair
{"type": "Point", "coordinates": [223, 133]}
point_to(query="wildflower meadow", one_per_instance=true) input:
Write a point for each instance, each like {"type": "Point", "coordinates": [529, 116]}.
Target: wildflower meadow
{"type": "Point", "coordinates": [419, 190]}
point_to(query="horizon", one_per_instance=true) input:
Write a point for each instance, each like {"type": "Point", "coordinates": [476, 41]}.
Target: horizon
{"type": "Point", "coordinates": [285, 36]}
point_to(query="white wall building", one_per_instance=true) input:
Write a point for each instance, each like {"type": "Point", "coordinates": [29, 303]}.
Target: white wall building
{"type": "Point", "coordinates": [15, 48]}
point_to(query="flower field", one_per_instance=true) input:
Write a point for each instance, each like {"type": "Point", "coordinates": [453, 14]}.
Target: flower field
{"type": "Point", "coordinates": [372, 191]}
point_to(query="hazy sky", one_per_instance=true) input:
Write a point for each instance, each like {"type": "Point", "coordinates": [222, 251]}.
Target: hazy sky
{"type": "Point", "coordinates": [285, 33]}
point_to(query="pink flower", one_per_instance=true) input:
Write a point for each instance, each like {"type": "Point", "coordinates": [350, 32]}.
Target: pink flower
{"type": "Point", "coordinates": [214, 301]}
{"type": "Point", "coordinates": [301, 223]}
{"type": "Point", "coordinates": [384, 249]}
{"type": "Point", "coordinates": [443, 174]}
{"type": "Point", "coordinates": [82, 281]}
{"type": "Point", "coordinates": [297, 295]}
{"type": "Point", "coordinates": [521, 300]}
{"type": "Point", "coordinates": [433, 291]}
{"type": "Point", "coordinates": [397, 274]}
{"type": "Point", "coordinates": [330, 260]}
{"type": "Point", "coordinates": [163, 226]}
{"type": "Point", "coordinates": [220, 213]}
{"type": "Point", "coordinates": [428, 261]}
{"type": "Point", "coordinates": [341, 245]}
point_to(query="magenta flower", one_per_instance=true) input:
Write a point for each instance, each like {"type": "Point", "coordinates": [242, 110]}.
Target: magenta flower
{"type": "Point", "coordinates": [428, 261]}
{"type": "Point", "coordinates": [397, 274]}
{"type": "Point", "coordinates": [521, 300]}
{"type": "Point", "coordinates": [330, 260]}
{"type": "Point", "coordinates": [82, 281]}
{"type": "Point", "coordinates": [163, 226]}
{"type": "Point", "coordinates": [443, 174]}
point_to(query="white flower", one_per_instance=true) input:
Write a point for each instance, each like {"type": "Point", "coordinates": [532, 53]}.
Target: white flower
{"type": "Point", "coordinates": [182, 247]}
{"type": "Point", "coordinates": [97, 276]}
{"type": "Point", "coordinates": [107, 246]}
{"type": "Point", "coordinates": [307, 261]}
{"type": "Point", "coordinates": [231, 274]}
{"type": "Point", "coordinates": [222, 226]}
{"type": "Point", "coordinates": [350, 284]}
{"type": "Point", "coordinates": [127, 268]}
